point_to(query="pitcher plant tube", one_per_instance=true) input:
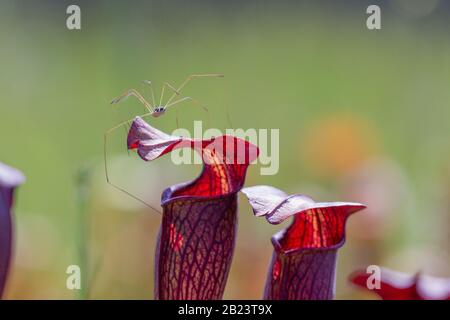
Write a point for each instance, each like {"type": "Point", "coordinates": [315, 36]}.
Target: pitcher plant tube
{"type": "Point", "coordinates": [303, 265]}
{"type": "Point", "coordinates": [198, 230]}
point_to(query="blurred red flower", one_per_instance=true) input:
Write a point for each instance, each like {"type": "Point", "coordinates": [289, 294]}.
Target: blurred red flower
{"type": "Point", "coordinates": [400, 286]}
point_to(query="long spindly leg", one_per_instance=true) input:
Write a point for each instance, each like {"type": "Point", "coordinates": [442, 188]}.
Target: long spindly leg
{"type": "Point", "coordinates": [227, 109]}
{"type": "Point", "coordinates": [105, 141]}
{"type": "Point", "coordinates": [176, 119]}
{"type": "Point", "coordinates": [149, 83]}
{"type": "Point", "coordinates": [166, 85]}
{"type": "Point", "coordinates": [133, 92]}
{"type": "Point", "coordinates": [195, 103]}
{"type": "Point", "coordinates": [171, 87]}
{"type": "Point", "coordinates": [176, 93]}
{"type": "Point", "coordinates": [126, 128]}
{"type": "Point", "coordinates": [189, 78]}
{"type": "Point", "coordinates": [228, 117]}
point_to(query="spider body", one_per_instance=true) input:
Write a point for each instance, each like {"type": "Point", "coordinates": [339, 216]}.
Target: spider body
{"type": "Point", "coordinates": [158, 111]}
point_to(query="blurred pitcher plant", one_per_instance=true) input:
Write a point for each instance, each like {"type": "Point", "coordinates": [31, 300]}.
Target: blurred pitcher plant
{"type": "Point", "coordinates": [10, 178]}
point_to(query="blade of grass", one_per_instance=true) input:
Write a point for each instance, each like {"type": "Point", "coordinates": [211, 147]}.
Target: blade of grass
{"type": "Point", "coordinates": [83, 185]}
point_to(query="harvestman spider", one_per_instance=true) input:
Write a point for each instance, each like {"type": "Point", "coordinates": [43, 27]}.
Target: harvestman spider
{"type": "Point", "coordinates": [154, 110]}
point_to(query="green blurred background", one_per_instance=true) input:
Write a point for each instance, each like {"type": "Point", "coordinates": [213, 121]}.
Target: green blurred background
{"type": "Point", "coordinates": [363, 116]}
